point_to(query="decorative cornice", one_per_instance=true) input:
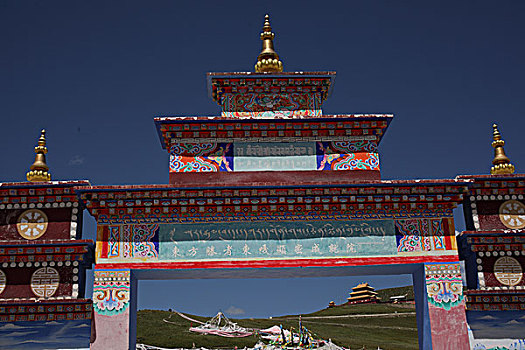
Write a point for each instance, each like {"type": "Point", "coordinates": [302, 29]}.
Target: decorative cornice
{"type": "Point", "coordinates": [56, 194]}
{"type": "Point", "coordinates": [329, 128]}
{"type": "Point", "coordinates": [381, 199]}
{"type": "Point", "coordinates": [45, 310]}
{"type": "Point", "coordinates": [242, 83]}
{"type": "Point", "coordinates": [25, 254]}
{"type": "Point", "coordinates": [497, 243]}
{"type": "Point", "coordinates": [478, 300]}
{"type": "Point", "coordinates": [495, 187]}
{"type": "Point", "coordinates": [55, 185]}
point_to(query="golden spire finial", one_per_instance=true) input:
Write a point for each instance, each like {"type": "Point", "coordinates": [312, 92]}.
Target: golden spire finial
{"type": "Point", "coordinates": [38, 172]}
{"type": "Point", "coordinates": [501, 161]}
{"type": "Point", "coordinates": [268, 60]}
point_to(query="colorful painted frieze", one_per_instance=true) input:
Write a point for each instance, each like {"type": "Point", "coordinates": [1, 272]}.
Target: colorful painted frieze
{"type": "Point", "coordinates": [444, 285]}
{"type": "Point", "coordinates": [271, 105]}
{"type": "Point", "coordinates": [265, 239]}
{"type": "Point", "coordinates": [446, 306]}
{"type": "Point", "coordinates": [203, 157]}
{"type": "Point", "coordinates": [111, 291]}
{"type": "Point", "coordinates": [274, 156]}
{"type": "Point", "coordinates": [349, 155]}
{"type": "Point", "coordinates": [111, 306]}
{"type": "Point", "coordinates": [418, 235]}
{"type": "Point", "coordinates": [130, 242]}
{"type": "Point", "coordinates": [284, 96]}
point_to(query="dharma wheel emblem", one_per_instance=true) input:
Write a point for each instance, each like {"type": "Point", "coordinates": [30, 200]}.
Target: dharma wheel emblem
{"type": "Point", "coordinates": [44, 282]}
{"type": "Point", "coordinates": [32, 224]}
{"type": "Point", "coordinates": [508, 271]}
{"type": "Point", "coordinates": [2, 281]}
{"type": "Point", "coordinates": [512, 214]}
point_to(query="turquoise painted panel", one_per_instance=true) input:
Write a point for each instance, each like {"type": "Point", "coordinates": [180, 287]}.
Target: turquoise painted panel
{"type": "Point", "coordinates": [253, 240]}
{"type": "Point", "coordinates": [274, 149]}
{"type": "Point", "coordinates": [274, 163]}
{"type": "Point", "coordinates": [293, 248]}
{"type": "Point", "coordinates": [252, 156]}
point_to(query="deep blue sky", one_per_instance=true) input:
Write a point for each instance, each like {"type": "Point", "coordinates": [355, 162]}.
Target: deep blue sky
{"type": "Point", "coordinates": [95, 73]}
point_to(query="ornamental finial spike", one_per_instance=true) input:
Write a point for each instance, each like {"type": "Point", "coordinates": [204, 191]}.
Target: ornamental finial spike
{"type": "Point", "coordinates": [39, 170]}
{"type": "Point", "coordinates": [501, 162]}
{"type": "Point", "coordinates": [268, 60]}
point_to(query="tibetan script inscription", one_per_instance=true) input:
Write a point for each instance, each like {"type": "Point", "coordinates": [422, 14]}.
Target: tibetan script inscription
{"type": "Point", "coordinates": [278, 230]}
{"type": "Point", "coordinates": [274, 156]}
{"type": "Point", "coordinates": [258, 240]}
{"type": "Point", "coordinates": [274, 149]}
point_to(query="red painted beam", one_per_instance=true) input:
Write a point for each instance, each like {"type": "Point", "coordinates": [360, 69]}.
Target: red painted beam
{"type": "Point", "coordinates": [272, 178]}
{"type": "Point", "coordinates": [331, 262]}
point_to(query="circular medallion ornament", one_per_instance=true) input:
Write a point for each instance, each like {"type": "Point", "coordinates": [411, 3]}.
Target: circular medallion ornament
{"type": "Point", "coordinates": [512, 214]}
{"type": "Point", "coordinates": [32, 224]}
{"type": "Point", "coordinates": [44, 282]}
{"type": "Point", "coordinates": [508, 271]}
{"type": "Point", "coordinates": [2, 281]}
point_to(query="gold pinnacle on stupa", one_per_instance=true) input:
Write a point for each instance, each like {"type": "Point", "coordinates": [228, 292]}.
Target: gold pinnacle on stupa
{"type": "Point", "coordinates": [501, 162]}
{"type": "Point", "coordinates": [268, 60]}
{"type": "Point", "coordinates": [39, 169]}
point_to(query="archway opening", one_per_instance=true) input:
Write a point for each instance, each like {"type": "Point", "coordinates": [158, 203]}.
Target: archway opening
{"type": "Point", "coordinates": [167, 309]}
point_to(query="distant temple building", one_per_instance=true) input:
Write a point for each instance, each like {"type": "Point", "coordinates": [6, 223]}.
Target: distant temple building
{"type": "Point", "coordinates": [363, 293]}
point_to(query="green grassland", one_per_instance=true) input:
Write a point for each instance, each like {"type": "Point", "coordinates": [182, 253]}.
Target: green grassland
{"type": "Point", "coordinates": [385, 294]}
{"type": "Point", "coordinates": [342, 324]}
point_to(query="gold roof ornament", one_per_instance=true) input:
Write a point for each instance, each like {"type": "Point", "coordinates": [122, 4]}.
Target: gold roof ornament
{"type": "Point", "coordinates": [39, 169]}
{"type": "Point", "coordinates": [501, 161]}
{"type": "Point", "coordinates": [268, 60]}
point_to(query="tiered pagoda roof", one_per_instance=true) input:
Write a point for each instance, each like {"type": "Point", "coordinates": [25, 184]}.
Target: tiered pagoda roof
{"type": "Point", "coordinates": [363, 293]}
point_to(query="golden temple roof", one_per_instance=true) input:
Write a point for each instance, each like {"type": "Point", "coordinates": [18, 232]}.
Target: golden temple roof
{"type": "Point", "coordinates": [361, 291]}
